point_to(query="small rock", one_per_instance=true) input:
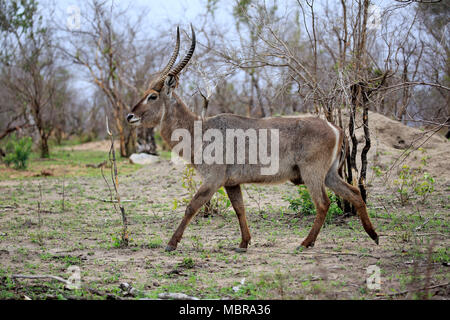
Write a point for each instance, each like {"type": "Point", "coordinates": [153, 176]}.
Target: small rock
{"type": "Point", "coordinates": [143, 158]}
{"type": "Point", "coordinates": [124, 286]}
{"type": "Point", "coordinates": [133, 292]}
{"type": "Point", "coordinates": [176, 296]}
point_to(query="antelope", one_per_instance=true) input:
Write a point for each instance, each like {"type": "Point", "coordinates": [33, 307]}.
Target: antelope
{"type": "Point", "coordinates": [310, 153]}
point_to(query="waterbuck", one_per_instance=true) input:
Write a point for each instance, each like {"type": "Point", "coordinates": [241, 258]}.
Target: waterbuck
{"type": "Point", "coordinates": [308, 151]}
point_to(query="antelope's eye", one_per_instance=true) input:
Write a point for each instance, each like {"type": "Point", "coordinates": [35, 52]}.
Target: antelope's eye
{"type": "Point", "coordinates": [152, 96]}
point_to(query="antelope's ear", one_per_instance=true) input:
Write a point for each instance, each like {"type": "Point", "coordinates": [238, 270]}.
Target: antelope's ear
{"type": "Point", "coordinates": [171, 83]}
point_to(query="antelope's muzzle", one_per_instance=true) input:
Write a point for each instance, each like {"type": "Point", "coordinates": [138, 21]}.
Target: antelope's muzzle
{"type": "Point", "coordinates": [133, 120]}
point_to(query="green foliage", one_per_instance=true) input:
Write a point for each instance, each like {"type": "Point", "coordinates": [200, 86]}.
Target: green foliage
{"type": "Point", "coordinates": [118, 241]}
{"type": "Point", "coordinates": [412, 182]}
{"type": "Point", "coordinates": [155, 242]}
{"type": "Point", "coordinates": [305, 205]}
{"type": "Point", "coordinates": [219, 203]}
{"type": "Point", "coordinates": [403, 184]}
{"type": "Point", "coordinates": [441, 255]}
{"type": "Point", "coordinates": [335, 208]}
{"type": "Point", "coordinates": [377, 170]}
{"type": "Point", "coordinates": [187, 263]}
{"type": "Point", "coordinates": [17, 17]}
{"type": "Point", "coordinates": [211, 6]}
{"type": "Point", "coordinates": [18, 152]}
{"type": "Point", "coordinates": [17, 14]}
{"type": "Point", "coordinates": [425, 186]}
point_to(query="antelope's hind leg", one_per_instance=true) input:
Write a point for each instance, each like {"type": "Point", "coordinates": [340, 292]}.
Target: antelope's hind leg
{"type": "Point", "coordinates": [235, 195]}
{"type": "Point", "coordinates": [352, 194]}
{"type": "Point", "coordinates": [203, 195]}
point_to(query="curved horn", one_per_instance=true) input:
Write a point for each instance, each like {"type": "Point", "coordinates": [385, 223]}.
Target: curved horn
{"type": "Point", "coordinates": [176, 70]}
{"type": "Point", "coordinates": [165, 71]}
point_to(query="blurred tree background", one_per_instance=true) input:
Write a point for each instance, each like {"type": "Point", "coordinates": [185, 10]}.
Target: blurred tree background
{"type": "Point", "coordinates": [338, 59]}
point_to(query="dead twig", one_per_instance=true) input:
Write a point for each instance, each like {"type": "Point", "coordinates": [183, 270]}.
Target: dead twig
{"type": "Point", "coordinates": [108, 201]}
{"type": "Point", "coordinates": [63, 192]}
{"type": "Point", "coordinates": [115, 183]}
{"type": "Point", "coordinates": [39, 216]}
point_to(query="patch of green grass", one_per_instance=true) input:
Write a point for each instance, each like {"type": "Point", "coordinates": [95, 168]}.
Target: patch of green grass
{"type": "Point", "coordinates": [441, 255]}
{"type": "Point", "coordinates": [165, 155]}
{"type": "Point", "coordinates": [155, 242]}
{"type": "Point", "coordinates": [67, 163]}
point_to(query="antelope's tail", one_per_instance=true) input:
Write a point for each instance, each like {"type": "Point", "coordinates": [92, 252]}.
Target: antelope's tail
{"type": "Point", "coordinates": [344, 152]}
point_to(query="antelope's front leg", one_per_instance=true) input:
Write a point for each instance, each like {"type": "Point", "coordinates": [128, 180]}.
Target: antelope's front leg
{"type": "Point", "coordinates": [202, 196]}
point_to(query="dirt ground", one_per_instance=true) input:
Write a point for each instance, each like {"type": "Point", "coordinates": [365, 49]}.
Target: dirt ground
{"type": "Point", "coordinates": [103, 145]}
{"type": "Point", "coordinates": [413, 253]}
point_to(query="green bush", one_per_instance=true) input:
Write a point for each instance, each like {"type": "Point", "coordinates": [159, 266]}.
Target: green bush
{"type": "Point", "coordinates": [411, 183]}
{"type": "Point", "coordinates": [425, 186]}
{"type": "Point", "coordinates": [18, 151]}
{"type": "Point", "coordinates": [305, 205]}
{"type": "Point", "coordinates": [219, 203]}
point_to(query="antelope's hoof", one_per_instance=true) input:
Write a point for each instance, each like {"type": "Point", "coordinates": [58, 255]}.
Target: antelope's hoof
{"type": "Point", "coordinates": [376, 240]}
{"type": "Point", "coordinates": [306, 245]}
{"type": "Point", "coordinates": [170, 248]}
{"type": "Point", "coordinates": [240, 250]}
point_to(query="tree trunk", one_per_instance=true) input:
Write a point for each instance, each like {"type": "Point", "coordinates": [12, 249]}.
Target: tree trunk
{"type": "Point", "coordinates": [122, 140]}
{"type": "Point", "coordinates": [45, 153]}
{"type": "Point", "coordinates": [123, 147]}
{"type": "Point", "coordinates": [130, 143]}
{"type": "Point", "coordinates": [58, 136]}
{"type": "Point", "coordinates": [365, 151]}
{"type": "Point", "coordinates": [146, 141]}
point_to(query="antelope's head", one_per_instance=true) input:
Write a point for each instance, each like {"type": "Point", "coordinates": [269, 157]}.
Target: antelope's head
{"type": "Point", "coordinates": [148, 111]}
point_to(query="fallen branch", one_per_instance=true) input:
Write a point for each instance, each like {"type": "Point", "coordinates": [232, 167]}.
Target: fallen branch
{"type": "Point", "coordinates": [336, 254]}
{"type": "Point", "coordinates": [350, 254]}
{"type": "Point", "coordinates": [23, 276]}
{"type": "Point", "coordinates": [415, 290]}
{"type": "Point", "coordinates": [66, 282]}
{"type": "Point", "coordinates": [96, 166]}
{"type": "Point", "coordinates": [8, 207]}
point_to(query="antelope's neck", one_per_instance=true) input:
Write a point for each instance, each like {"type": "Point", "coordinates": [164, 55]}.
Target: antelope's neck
{"type": "Point", "coordinates": [176, 115]}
